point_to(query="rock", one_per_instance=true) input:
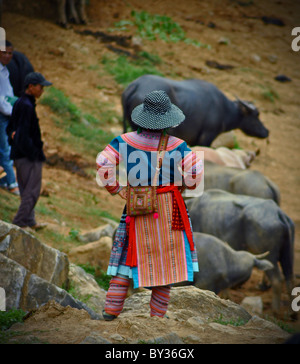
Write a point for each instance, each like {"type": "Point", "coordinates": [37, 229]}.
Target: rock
{"type": "Point", "coordinates": [97, 234]}
{"type": "Point", "coordinates": [38, 258]}
{"type": "Point", "coordinates": [224, 40]}
{"type": "Point", "coordinates": [58, 52]}
{"type": "Point", "coordinates": [27, 291]}
{"type": "Point", "coordinates": [254, 305]}
{"type": "Point", "coordinates": [117, 337]}
{"type": "Point", "coordinates": [219, 66]}
{"type": "Point", "coordinates": [223, 328]}
{"type": "Point", "coordinates": [273, 21]}
{"type": "Point", "coordinates": [205, 304]}
{"type": "Point", "coordinates": [40, 292]}
{"type": "Point", "coordinates": [273, 58]}
{"type": "Point", "coordinates": [282, 78]}
{"type": "Point", "coordinates": [86, 288]}
{"type": "Point", "coordinates": [137, 42]}
{"type": "Point", "coordinates": [256, 58]}
{"type": "Point", "coordinates": [187, 302]}
{"type": "Point", "coordinates": [263, 324]}
{"type": "Point", "coordinates": [32, 273]}
{"type": "Point", "coordinates": [195, 322]}
{"type": "Point", "coordinates": [193, 339]}
{"type": "Point", "coordinates": [97, 253]}
{"type": "Point", "coordinates": [12, 277]}
{"type": "Point", "coordinates": [264, 328]}
{"type": "Point", "coordinates": [95, 338]}
{"type": "Point", "coordinates": [79, 47]}
{"type": "Point", "coordinates": [171, 338]}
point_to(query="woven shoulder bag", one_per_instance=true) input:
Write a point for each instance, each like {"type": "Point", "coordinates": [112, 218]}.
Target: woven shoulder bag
{"type": "Point", "coordinates": [142, 200]}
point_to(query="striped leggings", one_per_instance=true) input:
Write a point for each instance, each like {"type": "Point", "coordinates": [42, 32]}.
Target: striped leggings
{"type": "Point", "coordinates": [117, 293]}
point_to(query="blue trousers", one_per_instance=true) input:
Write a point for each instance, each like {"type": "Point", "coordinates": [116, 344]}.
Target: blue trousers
{"type": "Point", "coordinates": [10, 179]}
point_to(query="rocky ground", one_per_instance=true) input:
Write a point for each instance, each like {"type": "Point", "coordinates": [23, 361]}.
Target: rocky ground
{"type": "Point", "coordinates": [194, 317]}
{"type": "Point", "coordinates": [55, 316]}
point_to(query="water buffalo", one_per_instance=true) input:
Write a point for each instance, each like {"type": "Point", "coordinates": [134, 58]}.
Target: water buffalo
{"type": "Point", "coordinates": [67, 10]}
{"type": "Point", "coordinates": [19, 67]}
{"type": "Point", "coordinates": [221, 267]}
{"type": "Point", "coordinates": [252, 224]}
{"type": "Point", "coordinates": [223, 156]}
{"type": "Point", "coordinates": [1, 10]}
{"type": "Point", "coordinates": [240, 182]}
{"type": "Point", "coordinates": [208, 111]}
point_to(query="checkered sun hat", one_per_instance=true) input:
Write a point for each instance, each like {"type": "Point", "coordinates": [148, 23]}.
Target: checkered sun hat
{"type": "Point", "coordinates": [157, 112]}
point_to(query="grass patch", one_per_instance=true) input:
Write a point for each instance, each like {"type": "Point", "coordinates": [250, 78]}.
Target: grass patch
{"type": "Point", "coordinates": [10, 317]}
{"type": "Point", "coordinates": [269, 93]}
{"type": "Point", "coordinates": [76, 201]}
{"type": "Point", "coordinates": [100, 276]}
{"type": "Point", "coordinates": [98, 213]}
{"type": "Point", "coordinates": [155, 26]}
{"type": "Point", "coordinates": [74, 293]}
{"type": "Point", "coordinates": [68, 209]}
{"type": "Point", "coordinates": [74, 233]}
{"type": "Point", "coordinates": [93, 119]}
{"type": "Point", "coordinates": [154, 59]}
{"type": "Point", "coordinates": [20, 337]}
{"type": "Point", "coordinates": [9, 205]}
{"type": "Point", "coordinates": [49, 211]}
{"type": "Point", "coordinates": [125, 71]}
{"type": "Point", "coordinates": [236, 143]}
{"type": "Point", "coordinates": [58, 240]}
{"type": "Point", "coordinates": [236, 323]}
{"type": "Point", "coordinates": [83, 129]}
{"type": "Point", "coordinates": [283, 325]}
{"type": "Point", "coordinates": [61, 104]}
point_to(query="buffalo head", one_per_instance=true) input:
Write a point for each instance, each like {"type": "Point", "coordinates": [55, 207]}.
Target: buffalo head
{"type": "Point", "coordinates": [249, 120]}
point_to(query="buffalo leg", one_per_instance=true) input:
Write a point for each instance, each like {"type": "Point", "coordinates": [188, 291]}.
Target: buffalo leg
{"type": "Point", "coordinates": [82, 12]}
{"type": "Point", "coordinates": [73, 13]}
{"type": "Point", "coordinates": [289, 286]}
{"type": "Point", "coordinates": [205, 139]}
{"type": "Point", "coordinates": [225, 294]}
{"type": "Point", "coordinates": [276, 282]}
{"type": "Point", "coordinates": [61, 8]}
{"type": "Point", "coordinates": [265, 284]}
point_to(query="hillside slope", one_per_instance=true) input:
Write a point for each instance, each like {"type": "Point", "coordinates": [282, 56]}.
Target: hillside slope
{"type": "Point", "coordinates": [74, 63]}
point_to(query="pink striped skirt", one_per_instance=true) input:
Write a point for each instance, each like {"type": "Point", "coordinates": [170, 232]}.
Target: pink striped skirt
{"type": "Point", "coordinates": [163, 254]}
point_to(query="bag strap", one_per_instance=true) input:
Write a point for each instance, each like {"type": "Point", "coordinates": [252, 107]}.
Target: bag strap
{"type": "Point", "coordinates": [162, 147]}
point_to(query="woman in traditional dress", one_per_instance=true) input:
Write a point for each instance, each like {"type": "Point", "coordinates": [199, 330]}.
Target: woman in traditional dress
{"type": "Point", "coordinates": [155, 250]}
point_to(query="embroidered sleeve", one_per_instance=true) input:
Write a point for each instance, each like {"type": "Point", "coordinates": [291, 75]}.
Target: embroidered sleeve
{"type": "Point", "coordinates": [107, 162]}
